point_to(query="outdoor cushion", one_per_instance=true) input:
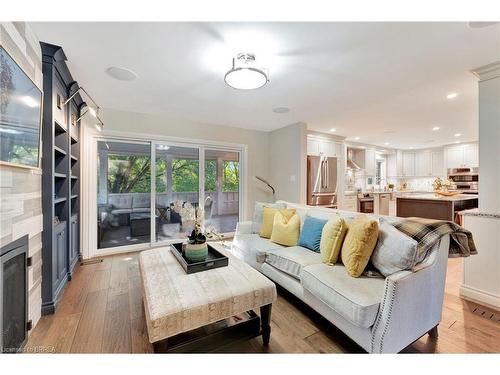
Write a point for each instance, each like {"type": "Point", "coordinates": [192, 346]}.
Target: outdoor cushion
{"type": "Point", "coordinates": [121, 211]}
{"type": "Point", "coordinates": [141, 201]}
{"type": "Point", "coordinates": [291, 260]}
{"type": "Point", "coordinates": [120, 201]}
{"type": "Point", "coordinates": [355, 299]}
{"type": "Point", "coordinates": [395, 251]}
{"type": "Point", "coordinates": [258, 212]}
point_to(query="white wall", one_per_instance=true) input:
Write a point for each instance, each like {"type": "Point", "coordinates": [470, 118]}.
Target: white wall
{"type": "Point", "coordinates": [159, 125]}
{"type": "Point", "coordinates": [288, 162]}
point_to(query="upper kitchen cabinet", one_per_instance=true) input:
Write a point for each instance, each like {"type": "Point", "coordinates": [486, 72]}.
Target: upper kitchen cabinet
{"type": "Point", "coordinates": [460, 156]}
{"type": "Point", "coordinates": [423, 163]}
{"type": "Point", "coordinates": [323, 146]}
{"type": "Point", "coordinates": [370, 162]}
{"type": "Point", "coordinates": [408, 164]}
{"type": "Point", "coordinates": [437, 168]}
{"type": "Point", "coordinates": [395, 164]}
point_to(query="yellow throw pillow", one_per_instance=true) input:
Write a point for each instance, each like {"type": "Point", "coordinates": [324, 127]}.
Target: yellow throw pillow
{"type": "Point", "coordinates": [286, 230]}
{"type": "Point", "coordinates": [268, 217]}
{"type": "Point", "coordinates": [359, 243]}
{"type": "Point", "coordinates": [332, 238]}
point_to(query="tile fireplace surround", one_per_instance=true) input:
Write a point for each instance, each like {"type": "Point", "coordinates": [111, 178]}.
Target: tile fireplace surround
{"type": "Point", "coordinates": [20, 188]}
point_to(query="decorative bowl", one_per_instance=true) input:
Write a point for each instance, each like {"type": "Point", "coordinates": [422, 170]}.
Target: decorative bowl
{"type": "Point", "coordinates": [447, 193]}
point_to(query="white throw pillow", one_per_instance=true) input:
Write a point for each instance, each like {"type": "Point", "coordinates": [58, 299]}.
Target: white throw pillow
{"type": "Point", "coordinates": [395, 251]}
{"type": "Point", "coordinates": [258, 211]}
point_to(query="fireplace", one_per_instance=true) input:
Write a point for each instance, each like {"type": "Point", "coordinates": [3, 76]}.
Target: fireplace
{"type": "Point", "coordinates": [14, 295]}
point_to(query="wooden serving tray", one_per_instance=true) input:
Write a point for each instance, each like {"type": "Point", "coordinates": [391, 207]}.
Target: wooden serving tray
{"type": "Point", "coordinates": [215, 259]}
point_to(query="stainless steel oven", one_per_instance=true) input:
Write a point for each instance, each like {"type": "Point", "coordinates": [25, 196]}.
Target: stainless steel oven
{"type": "Point", "coordinates": [366, 203]}
{"type": "Point", "coordinates": [466, 179]}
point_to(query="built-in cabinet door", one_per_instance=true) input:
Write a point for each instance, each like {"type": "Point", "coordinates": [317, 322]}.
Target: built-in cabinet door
{"type": "Point", "coordinates": [325, 147]}
{"type": "Point", "coordinates": [423, 163]}
{"type": "Point", "coordinates": [59, 256]}
{"type": "Point", "coordinates": [438, 164]}
{"type": "Point", "coordinates": [312, 146]}
{"type": "Point", "coordinates": [370, 162]}
{"type": "Point", "coordinates": [454, 157]}
{"type": "Point", "coordinates": [471, 155]}
{"type": "Point", "coordinates": [409, 164]}
{"type": "Point", "coordinates": [74, 248]}
{"type": "Point", "coordinates": [392, 167]}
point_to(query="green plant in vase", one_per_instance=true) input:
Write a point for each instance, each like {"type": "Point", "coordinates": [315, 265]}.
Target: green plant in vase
{"type": "Point", "coordinates": [196, 249]}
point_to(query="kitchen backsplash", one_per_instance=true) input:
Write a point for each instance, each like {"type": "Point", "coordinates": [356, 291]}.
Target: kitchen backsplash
{"type": "Point", "coordinates": [420, 183]}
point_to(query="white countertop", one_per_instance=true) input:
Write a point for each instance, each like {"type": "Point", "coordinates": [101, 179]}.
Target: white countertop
{"type": "Point", "coordinates": [437, 197]}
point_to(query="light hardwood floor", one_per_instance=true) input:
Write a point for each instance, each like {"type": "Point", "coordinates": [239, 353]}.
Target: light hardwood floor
{"type": "Point", "coordinates": [101, 312]}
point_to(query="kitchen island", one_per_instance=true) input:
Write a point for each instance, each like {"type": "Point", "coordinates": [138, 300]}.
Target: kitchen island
{"type": "Point", "coordinates": [434, 206]}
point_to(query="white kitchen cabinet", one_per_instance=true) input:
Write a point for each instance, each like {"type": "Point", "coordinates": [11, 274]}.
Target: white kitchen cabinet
{"type": "Point", "coordinates": [409, 164]}
{"type": "Point", "coordinates": [370, 162]}
{"type": "Point", "coordinates": [423, 163]}
{"type": "Point", "coordinates": [312, 146]}
{"type": "Point", "coordinates": [392, 165]}
{"type": "Point", "coordinates": [471, 155]}
{"type": "Point", "coordinates": [459, 156]}
{"type": "Point", "coordinates": [319, 146]}
{"type": "Point", "coordinates": [438, 164]}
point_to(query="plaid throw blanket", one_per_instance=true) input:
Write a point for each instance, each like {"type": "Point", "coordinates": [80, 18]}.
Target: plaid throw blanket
{"type": "Point", "coordinates": [427, 232]}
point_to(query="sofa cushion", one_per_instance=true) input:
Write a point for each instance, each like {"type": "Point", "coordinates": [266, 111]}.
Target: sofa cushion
{"type": "Point", "coordinates": [268, 219]}
{"type": "Point", "coordinates": [332, 237]}
{"type": "Point", "coordinates": [258, 212]}
{"type": "Point", "coordinates": [249, 244]}
{"type": "Point", "coordinates": [310, 236]}
{"type": "Point", "coordinates": [356, 299]}
{"type": "Point", "coordinates": [121, 211]}
{"type": "Point", "coordinates": [358, 245]}
{"type": "Point", "coordinates": [292, 260]}
{"type": "Point", "coordinates": [286, 230]}
{"type": "Point", "coordinates": [120, 201]}
{"type": "Point", "coordinates": [395, 251]}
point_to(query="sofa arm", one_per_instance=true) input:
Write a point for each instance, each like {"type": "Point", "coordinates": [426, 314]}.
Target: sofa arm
{"type": "Point", "coordinates": [244, 227]}
{"type": "Point", "coordinates": [412, 303]}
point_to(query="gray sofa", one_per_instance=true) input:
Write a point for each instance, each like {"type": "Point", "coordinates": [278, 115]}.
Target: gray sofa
{"type": "Point", "coordinates": [382, 315]}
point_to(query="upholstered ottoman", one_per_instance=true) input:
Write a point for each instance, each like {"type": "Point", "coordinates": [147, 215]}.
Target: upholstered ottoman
{"type": "Point", "coordinates": [176, 302]}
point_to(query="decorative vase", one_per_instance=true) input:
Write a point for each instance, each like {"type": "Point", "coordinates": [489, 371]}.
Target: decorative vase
{"type": "Point", "coordinates": [196, 252]}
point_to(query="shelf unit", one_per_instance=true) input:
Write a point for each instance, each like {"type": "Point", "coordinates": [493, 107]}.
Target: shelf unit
{"type": "Point", "coordinates": [60, 177]}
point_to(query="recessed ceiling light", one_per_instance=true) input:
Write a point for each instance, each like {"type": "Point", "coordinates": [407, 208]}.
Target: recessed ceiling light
{"type": "Point", "coordinates": [121, 74]}
{"type": "Point", "coordinates": [387, 143]}
{"type": "Point", "coordinates": [333, 130]}
{"type": "Point", "coordinates": [281, 110]}
{"type": "Point", "coordinates": [458, 134]}
{"type": "Point", "coordinates": [411, 147]}
{"type": "Point", "coordinates": [356, 138]}
{"type": "Point", "coordinates": [452, 95]}
{"type": "Point", "coordinates": [457, 141]}
{"type": "Point", "coordinates": [383, 150]}
{"type": "Point", "coordinates": [389, 131]}
{"type": "Point", "coordinates": [429, 141]}
{"type": "Point", "coordinates": [436, 128]}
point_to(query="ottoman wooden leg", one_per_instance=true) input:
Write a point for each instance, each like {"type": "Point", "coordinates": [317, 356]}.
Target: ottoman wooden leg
{"type": "Point", "coordinates": [265, 321]}
{"type": "Point", "coordinates": [433, 333]}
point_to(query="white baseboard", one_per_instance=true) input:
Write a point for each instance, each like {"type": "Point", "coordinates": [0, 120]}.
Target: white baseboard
{"type": "Point", "coordinates": [480, 296]}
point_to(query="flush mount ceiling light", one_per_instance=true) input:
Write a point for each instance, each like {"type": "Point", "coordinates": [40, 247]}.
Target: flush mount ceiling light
{"type": "Point", "coordinates": [333, 130]}
{"type": "Point", "coordinates": [244, 75]}
{"type": "Point", "coordinates": [356, 138]}
{"type": "Point", "coordinates": [436, 128]}
{"type": "Point", "coordinates": [121, 74]}
{"type": "Point", "coordinates": [458, 134]}
{"type": "Point", "coordinates": [452, 95]}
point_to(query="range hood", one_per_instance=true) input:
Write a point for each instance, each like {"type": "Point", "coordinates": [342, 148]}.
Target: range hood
{"type": "Point", "coordinates": [351, 164]}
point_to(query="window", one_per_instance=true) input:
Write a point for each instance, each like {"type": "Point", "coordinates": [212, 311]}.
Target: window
{"type": "Point", "coordinates": [129, 174]}
{"type": "Point", "coordinates": [184, 175]}
{"type": "Point", "coordinates": [210, 175]}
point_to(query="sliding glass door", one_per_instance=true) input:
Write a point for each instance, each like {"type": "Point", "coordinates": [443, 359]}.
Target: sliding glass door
{"type": "Point", "coordinates": [140, 202]}
{"type": "Point", "coordinates": [222, 190]}
{"type": "Point", "coordinates": [177, 190]}
{"type": "Point", "coordinates": [123, 193]}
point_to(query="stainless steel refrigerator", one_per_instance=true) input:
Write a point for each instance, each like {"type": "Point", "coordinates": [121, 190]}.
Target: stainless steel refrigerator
{"type": "Point", "coordinates": [322, 181]}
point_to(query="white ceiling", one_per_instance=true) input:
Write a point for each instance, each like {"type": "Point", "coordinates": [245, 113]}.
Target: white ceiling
{"type": "Point", "coordinates": [383, 82]}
